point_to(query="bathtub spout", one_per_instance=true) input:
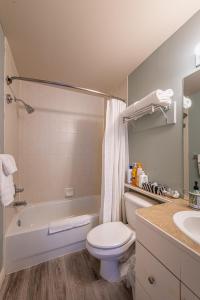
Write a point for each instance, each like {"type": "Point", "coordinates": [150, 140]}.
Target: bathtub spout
{"type": "Point", "coordinates": [19, 203]}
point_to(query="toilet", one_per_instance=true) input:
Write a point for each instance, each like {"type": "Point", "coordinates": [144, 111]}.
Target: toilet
{"type": "Point", "coordinates": [110, 241]}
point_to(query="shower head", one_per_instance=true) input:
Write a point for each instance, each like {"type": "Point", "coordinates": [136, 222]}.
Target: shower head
{"type": "Point", "coordinates": [28, 107]}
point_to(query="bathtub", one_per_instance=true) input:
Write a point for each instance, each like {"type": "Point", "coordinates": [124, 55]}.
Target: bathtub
{"type": "Point", "coordinates": [28, 242]}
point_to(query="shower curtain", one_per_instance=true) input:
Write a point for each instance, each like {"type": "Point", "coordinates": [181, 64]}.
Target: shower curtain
{"type": "Point", "coordinates": [114, 163]}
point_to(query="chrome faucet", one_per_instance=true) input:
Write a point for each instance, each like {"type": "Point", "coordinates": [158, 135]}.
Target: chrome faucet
{"type": "Point", "coordinates": [20, 203]}
{"type": "Point", "coordinates": [18, 189]}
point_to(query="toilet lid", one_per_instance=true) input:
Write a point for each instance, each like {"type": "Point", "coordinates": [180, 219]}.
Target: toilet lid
{"type": "Point", "coordinates": [109, 235]}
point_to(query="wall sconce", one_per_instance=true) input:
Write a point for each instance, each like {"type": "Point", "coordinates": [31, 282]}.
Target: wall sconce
{"type": "Point", "coordinates": [197, 55]}
{"type": "Point", "coordinates": [187, 102]}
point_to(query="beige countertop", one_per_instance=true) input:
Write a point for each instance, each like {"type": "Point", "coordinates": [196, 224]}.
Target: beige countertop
{"type": "Point", "coordinates": [161, 216]}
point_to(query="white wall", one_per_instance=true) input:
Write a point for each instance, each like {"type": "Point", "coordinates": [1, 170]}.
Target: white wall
{"type": "Point", "coordinates": [60, 143]}
{"type": "Point", "coordinates": [11, 121]}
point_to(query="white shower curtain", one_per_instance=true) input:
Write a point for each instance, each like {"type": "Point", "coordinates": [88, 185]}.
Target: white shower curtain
{"type": "Point", "coordinates": [114, 163]}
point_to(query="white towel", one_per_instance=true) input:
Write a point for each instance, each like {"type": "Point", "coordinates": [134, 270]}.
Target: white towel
{"type": "Point", "coordinates": [9, 165]}
{"type": "Point", "coordinates": [7, 189]}
{"type": "Point", "coordinates": [157, 97]}
{"type": "Point", "coordinates": [69, 223]}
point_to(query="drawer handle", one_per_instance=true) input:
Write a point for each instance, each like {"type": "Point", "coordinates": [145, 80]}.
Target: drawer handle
{"type": "Point", "coordinates": [151, 280]}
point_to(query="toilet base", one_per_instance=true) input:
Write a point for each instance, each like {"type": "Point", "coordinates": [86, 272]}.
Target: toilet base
{"type": "Point", "coordinates": [110, 271]}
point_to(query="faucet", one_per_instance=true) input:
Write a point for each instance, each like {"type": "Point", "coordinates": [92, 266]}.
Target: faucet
{"type": "Point", "coordinates": [19, 203]}
{"type": "Point", "coordinates": [18, 189]}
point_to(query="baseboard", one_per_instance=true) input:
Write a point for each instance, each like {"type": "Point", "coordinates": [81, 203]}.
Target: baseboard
{"type": "Point", "coordinates": [2, 276]}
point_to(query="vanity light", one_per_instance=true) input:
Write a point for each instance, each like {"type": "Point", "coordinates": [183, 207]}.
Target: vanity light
{"type": "Point", "coordinates": [197, 55]}
{"type": "Point", "coordinates": [187, 102]}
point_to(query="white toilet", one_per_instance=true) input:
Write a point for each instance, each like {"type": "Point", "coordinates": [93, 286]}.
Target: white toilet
{"type": "Point", "coordinates": [109, 241]}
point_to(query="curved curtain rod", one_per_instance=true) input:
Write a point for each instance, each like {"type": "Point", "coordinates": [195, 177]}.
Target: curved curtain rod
{"type": "Point", "coordinates": [10, 79]}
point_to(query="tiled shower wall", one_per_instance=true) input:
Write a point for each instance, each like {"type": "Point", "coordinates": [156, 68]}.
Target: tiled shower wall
{"type": "Point", "coordinates": [60, 143]}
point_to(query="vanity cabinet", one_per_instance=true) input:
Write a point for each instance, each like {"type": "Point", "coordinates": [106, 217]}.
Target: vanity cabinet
{"type": "Point", "coordinates": [163, 270]}
{"type": "Point", "coordinates": [186, 294]}
{"type": "Point", "coordinates": [155, 279]}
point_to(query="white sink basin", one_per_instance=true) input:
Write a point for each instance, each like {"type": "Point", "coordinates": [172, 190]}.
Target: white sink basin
{"type": "Point", "coordinates": [189, 223]}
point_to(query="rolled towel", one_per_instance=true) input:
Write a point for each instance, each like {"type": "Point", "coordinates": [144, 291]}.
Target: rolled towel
{"type": "Point", "coordinates": [7, 189]}
{"type": "Point", "coordinates": [9, 165]}
{"type": "Point", "coordinates": [69, 223]}
{"type": "Point", "coordinates": [157, 97]}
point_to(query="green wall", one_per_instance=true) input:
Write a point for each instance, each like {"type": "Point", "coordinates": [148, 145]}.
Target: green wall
{"type": "Point", "coordinates": [159, 148]}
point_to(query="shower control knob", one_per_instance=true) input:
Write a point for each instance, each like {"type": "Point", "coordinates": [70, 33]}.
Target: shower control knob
{"type": "Point", "coordinates": [18, 189]}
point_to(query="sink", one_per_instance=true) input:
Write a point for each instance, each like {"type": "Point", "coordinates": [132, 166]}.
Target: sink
{"type": "Point", "coordinates": [189, 223]}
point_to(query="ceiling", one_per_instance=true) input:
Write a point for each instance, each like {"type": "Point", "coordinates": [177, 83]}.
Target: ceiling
{"type": "Point", "coordinates": [91, 43]}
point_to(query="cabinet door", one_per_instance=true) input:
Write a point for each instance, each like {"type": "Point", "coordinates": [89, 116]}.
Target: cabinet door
{"type": "Point", "coordinates": [186, 294]}
{"type": "Point", "coordinates": [157, 281]}
{"type": "Point", "coordinates": [140, 293]}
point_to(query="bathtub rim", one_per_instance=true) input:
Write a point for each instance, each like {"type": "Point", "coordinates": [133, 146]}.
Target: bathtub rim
{"type": "Point", "coordinates": [10, 233]}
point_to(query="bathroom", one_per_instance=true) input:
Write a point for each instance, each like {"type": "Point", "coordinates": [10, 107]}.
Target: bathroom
{"type": "Point", "coordinates": [82, 100]}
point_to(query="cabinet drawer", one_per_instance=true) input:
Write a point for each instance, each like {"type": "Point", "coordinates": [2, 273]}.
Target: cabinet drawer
{"type": "Point", "coordinates": [186, 294]}
{"type": "Point", "coordinates": [190, 273]}
{"type": "Point", "coordinates": [157, 281]}
{"type": "Point", "coordinates": [140, 293]}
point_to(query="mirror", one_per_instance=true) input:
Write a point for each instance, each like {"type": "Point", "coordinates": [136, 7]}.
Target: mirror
{"type": "Point", "coordinates": [191, 132]}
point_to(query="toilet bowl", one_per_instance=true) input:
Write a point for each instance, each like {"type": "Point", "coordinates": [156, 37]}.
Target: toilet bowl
{"type": "Point", "coordinates": [110, 241]}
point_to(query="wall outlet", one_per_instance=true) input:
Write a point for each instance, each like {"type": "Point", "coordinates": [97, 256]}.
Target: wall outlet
{"type": "Point", "coordinates": [69, 192]}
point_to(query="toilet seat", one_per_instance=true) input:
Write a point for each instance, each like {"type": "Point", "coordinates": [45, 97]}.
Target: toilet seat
{"type": "Point", "coordinates": [109, 235]}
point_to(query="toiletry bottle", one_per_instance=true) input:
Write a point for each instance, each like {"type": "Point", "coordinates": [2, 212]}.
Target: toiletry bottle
{"type": "Point", "coordinates": [129, 174]}
{"type": "Point", "coordinates": [139, 172]}
{"type": "Point", "coordinates": [134, 173]}
{"type": "Point", "coordinates": [143, 178]}
{"type": "Point", "coordinates": [196, 187]}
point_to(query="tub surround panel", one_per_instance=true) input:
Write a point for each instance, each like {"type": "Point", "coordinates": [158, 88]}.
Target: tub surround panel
{"type": "Point", "coordinates": [60, 143]}
{"type": "Point", "coordinates": [165, 68]}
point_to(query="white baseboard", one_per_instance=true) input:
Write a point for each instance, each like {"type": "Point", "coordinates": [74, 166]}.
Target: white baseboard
{"type": "Point", "coordinates": [2, 276]}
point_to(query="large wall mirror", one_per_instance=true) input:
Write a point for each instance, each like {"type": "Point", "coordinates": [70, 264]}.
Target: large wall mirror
{"type": "Point", "coordinates": [191, 132]}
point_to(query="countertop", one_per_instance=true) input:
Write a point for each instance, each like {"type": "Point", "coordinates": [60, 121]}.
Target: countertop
{"type": "Point", "coordinates": [161, 216]}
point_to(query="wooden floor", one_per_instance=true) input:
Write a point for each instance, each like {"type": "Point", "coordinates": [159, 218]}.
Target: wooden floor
{"type": "Point", "coordinates": [72, 277]}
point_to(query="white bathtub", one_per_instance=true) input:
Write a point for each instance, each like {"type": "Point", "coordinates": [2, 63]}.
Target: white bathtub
{"type": "Point", "coordinates": [30, 244]}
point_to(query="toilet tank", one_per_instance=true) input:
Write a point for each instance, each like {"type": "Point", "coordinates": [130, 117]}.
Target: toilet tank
{"type": "Point", "coordinates": [134, 201]}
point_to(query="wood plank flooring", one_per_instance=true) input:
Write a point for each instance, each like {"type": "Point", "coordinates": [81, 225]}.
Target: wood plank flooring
{"type": "Point", "coordinates": [72, 277]}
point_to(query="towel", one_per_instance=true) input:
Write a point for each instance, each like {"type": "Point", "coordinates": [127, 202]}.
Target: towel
{"type": "Point", "coordinates": [9, 165]}
{"type": "Point", "coordinates": [7, 190]}
{"type": "Point", "coordinates": [157, 97]}
{"type": "Point", "coordinates": [69, 223]}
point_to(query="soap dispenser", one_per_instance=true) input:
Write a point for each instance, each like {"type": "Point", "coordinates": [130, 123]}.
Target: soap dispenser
{"type": "Point", "coordinates": [194, 199]}
{"type": "Point", "coordinates": [196, 187]}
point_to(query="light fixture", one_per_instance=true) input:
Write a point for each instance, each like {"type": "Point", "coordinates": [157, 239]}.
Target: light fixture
{"type": "Point", "coordinates": [197, 55]}
{"type": "Point", "coordinates": [187, 102]}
